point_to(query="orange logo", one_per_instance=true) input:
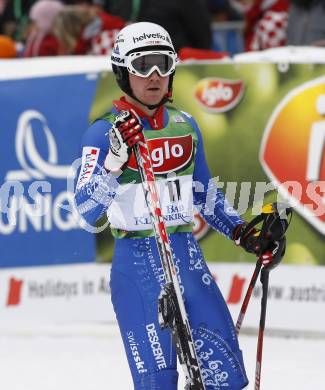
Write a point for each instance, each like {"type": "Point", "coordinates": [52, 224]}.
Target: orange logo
{"type": "Point", "coordinates": [292, 150]}
{"type": "Point", "coordinates": [219, 95]}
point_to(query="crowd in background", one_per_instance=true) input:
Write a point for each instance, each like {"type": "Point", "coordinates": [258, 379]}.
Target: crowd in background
{"type": "Point", "coordinates": [31, 28]}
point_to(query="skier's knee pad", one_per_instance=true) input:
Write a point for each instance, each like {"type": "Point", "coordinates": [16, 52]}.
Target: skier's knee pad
{"type": "Point", "coordinates": [160, 380]}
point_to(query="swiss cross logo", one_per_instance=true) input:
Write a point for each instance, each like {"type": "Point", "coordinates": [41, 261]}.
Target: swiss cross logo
{"type": "Point", "coordinates": [219, 95]}
{"type": "Point", "coordinates": [168, 154]}
{"type": "Point", "coordinates": [292, 150]}
{"type": "Point", "coordinates": [14, 292]}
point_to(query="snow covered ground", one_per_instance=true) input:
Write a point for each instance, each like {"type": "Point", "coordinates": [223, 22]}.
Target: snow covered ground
{"type": "Point", "coordinates": [92, 358]}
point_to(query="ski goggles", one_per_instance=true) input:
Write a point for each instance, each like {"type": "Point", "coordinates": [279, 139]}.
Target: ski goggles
{"type": "Point", "coordinates": [144, 63]}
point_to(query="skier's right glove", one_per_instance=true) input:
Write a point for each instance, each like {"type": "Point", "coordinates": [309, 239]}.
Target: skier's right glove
{"type": "Point", "coordinates": [123, 135]}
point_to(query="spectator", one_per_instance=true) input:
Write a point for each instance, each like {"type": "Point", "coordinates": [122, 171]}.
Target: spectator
{"type": "Point", "coordinates": [41, 41]}
{"type": "Point", "coordinates": [125, 9]}
{"type": "Point", "coordinates": [99, 4]}
{"type": "Point", "coordinates": [221, 11]}
{"type": "Point", "coordinates": [14, 18]}
{"type": "Point", "coordinates": [7, 47]}
{"type": "Point", "coordinates": [265, 22]}
{"type": "Point", "coordinates": [306, 22]}
{"type": "Point", "coordinates": [86, 30]}
{"type": "Point", "coordinates": [189, 24]}
{"type": "Point", "coordinates": [101, 39]}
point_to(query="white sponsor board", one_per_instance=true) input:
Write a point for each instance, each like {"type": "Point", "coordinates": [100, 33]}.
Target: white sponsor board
{"type": "Point", "coordinates": [22, 68]}
{"type": "Point", "coordinates": [55, 295]}
{"type": "Point", "coordinates": [80, 294]}
{"type": "Point", "coordinates": [296, 299]}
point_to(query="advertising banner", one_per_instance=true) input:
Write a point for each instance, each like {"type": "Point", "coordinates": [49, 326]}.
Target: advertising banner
{"type": "Point", "coordinates": [264, 139]}
{"type": "Point", "coordinates": [263, 132]}
{"type": "Point", "coordinates": [296, 296]}
{"type": "Point", "coordinates": [64, 294]}
{"type": "Point", "coordinates": [42, 120]}
{"type": "Point", "coordinates": [72, 294]}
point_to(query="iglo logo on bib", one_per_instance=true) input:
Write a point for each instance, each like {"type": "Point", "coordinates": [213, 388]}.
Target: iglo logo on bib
{"type": "Point", "coordinates": [168, 154]}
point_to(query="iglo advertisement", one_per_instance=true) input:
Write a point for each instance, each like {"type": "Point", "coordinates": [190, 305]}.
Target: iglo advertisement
{"type": "Point", "coordinates": [263, 127]}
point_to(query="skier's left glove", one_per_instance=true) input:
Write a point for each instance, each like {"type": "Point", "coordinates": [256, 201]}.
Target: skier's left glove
{"type": "Point", "coordinates": [268, 249]}
{"type": "Point", "coordinates": [123, 135]}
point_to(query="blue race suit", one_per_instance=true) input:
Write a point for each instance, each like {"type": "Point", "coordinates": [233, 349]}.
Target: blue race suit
{"type": "Point", "coordinates": [137, 275]}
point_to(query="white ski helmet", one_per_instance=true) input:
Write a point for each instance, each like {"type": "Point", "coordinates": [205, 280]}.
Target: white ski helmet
{"type": "Point", "coordinates": [133, 45]}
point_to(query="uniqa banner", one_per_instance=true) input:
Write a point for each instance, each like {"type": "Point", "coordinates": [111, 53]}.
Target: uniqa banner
{"type": "Point", "coordinates": [42, 120]}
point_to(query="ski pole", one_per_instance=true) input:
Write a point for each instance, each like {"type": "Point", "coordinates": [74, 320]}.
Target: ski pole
{"type": "Point", "coordinates": [265, 286]}
{"type": "Point", "coordinates": [273, 230]}
{"type": "Point", "coordinates": [172, 312]}
{"type": "Point", "coordinates": [254, 222]}
{"type": "Point", "coordinates": [248, 295]}
{"type": "Point", "coordinates": [274, 226]}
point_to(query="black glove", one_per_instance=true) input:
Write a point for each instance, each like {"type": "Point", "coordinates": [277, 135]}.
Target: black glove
{"type": "Point", "coordinates": [269, 251]}
{"type": "Point", "coordinates": [269, 243]}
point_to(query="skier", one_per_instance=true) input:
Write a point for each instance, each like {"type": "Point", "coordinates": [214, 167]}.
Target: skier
{"type": "Point", "coordinates": [144, 62]}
